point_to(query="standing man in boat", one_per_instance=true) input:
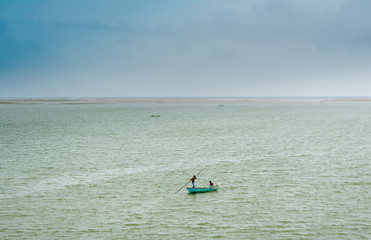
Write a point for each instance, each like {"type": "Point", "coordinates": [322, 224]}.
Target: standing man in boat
{"type": "Point", "coordinates": [193, 180]}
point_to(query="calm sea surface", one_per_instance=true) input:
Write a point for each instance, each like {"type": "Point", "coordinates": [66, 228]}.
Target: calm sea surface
{"type": "Point", "coordinates": [110, 171]}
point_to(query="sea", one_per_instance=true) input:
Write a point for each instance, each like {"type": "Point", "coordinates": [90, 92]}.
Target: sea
{"type": "Point", "coordinates": [286, 170]}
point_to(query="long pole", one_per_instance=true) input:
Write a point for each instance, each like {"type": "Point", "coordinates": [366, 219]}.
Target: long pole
{"type": "Point", "coordinates": [190, 180]}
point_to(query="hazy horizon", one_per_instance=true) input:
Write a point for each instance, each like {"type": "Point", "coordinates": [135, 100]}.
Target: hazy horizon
{"type": "Point", "coordinates": [185, 99]}
{"type": "Point", "coordinates": [258, 48]}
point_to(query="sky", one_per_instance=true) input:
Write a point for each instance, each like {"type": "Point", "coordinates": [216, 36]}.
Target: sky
{"type": "Point", "coordinates": [188, 48]}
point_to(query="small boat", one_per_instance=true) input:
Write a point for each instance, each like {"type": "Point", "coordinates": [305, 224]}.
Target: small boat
{"type": "Point", "coordinates": [155, 115]}
{"type": "Point", "coordinates": [202, 189]}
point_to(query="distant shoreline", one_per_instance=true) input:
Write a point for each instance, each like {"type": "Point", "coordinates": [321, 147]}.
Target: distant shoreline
{"type": "Point", "coordinates": [182, 100]}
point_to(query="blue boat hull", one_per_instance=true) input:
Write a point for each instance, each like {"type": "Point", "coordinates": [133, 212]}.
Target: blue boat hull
{"type": "Point", "coordinates": [202, 190]}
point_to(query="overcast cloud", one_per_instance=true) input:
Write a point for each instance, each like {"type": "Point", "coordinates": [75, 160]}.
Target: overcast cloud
{"type": "Point", "coordinates": [168, 48]}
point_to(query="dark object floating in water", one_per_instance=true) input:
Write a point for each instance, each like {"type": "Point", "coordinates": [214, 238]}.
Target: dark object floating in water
{"type": "Point", "coordinates": [155, 115]}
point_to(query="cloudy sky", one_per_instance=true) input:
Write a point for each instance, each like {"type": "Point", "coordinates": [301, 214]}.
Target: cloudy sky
{"type": "Point", "coordinates": [188, 48]}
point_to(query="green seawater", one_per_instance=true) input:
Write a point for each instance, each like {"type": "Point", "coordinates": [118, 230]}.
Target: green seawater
{"type": "Point", "coordinates": [110, 171]}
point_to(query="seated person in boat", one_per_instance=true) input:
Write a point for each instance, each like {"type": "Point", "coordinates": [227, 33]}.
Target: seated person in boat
{"type": "Point", "coordinates": [211, 184]}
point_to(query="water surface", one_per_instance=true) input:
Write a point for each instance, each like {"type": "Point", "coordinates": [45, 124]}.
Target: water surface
{"type": "Point", "coordinates": [110, 171]}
